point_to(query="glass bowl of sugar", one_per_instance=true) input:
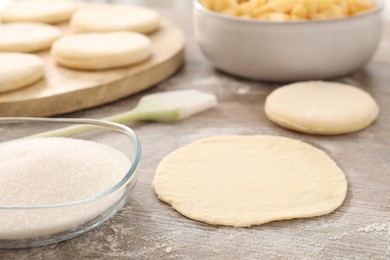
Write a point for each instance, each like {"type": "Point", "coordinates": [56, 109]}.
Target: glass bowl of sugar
{"type": "Point", "coordinates": [60, 178]}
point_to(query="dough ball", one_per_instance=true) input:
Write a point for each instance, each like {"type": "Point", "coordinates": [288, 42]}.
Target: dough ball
{"type": "Point", "coordinates": [41, 11]}
{"type": "Point", "coordinates": [96, 51]}
{"type": "Point", "coordinates": [18, 70]}
{"type": "Point", "coordinates": [110, 18]}
{"type": "Point", "coordinates": [242, 181]}
{"type": "Point", "coordinates": [318, 107]}
{"type": "Point", "coordinates": [27, 37]}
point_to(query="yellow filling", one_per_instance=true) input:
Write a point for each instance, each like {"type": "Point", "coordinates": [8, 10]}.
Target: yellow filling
{"type": "Point", "coordinates": [290, 10]}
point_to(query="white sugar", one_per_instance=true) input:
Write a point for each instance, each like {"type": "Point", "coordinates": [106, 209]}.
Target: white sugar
{"type": "Point", "coordinates": [45, 171]}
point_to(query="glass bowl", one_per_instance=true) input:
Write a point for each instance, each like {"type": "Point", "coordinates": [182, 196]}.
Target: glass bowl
{"type": "Point", "coordinates": [44, 223]}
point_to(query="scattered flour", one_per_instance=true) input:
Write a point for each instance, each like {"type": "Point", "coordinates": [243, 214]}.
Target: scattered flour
{"type": "Point", "coordinates": [378, 228]}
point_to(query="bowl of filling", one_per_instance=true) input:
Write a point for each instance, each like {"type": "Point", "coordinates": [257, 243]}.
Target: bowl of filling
{"type": "Point", "coordinates": [288, 40]}
{"type": "Point", "coordinates": [60, 178]}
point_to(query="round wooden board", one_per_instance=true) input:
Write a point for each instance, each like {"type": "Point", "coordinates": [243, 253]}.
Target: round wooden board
{"type": "Point", "coordinates": [64, 90]}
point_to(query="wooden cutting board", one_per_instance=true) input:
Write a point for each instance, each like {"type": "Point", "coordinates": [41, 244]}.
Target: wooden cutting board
{"type": "Point", "coordinates": [64, 90]}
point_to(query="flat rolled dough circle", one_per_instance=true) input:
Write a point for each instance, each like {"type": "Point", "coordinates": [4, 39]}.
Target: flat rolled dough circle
{"type": "Point", "coordinates": [242, 181]}
{"type": "Point", "coordinates": [41, 11]}
{"type": "Point", "coordinates": [110, 18]}
{"type": "Point", "coordinates": [18, 70]}
{"type": "Point", "coordinates": [96, 51]}
{"type": "Point", "coordinates": [27, 37]}
{"type": "Point", "coordinates": [318, 107]}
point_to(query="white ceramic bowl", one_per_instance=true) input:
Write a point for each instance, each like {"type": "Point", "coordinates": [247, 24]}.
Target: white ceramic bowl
{"type": "Point", "coordinates": [288, 51]}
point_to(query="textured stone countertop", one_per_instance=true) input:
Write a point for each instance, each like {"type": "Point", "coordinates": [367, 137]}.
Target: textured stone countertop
{"type": "Point", "coordinates": [146, 228]}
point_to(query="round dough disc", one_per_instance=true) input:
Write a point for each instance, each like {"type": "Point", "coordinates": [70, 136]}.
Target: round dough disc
{"type": "Point", "coordinates": [41, 11]}
{"type": "Point", "coordinates": [110, 18]}
{"type": "Point", "coordinates": [96, 51]}
{"type": "Point", "coordinates": [27, 37]}
{"type": "Point", "coordinates": [318, 107]}
{"type": "Point", "coordinates": [18, 70]}
{"type": "Point", "coordinates": [242, 181]}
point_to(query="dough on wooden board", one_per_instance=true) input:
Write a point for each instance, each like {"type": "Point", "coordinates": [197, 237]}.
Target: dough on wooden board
{"type": "Point", "coordinates": [97, 51]}
{"type": "Point", "coordinates": [110, 18]}
{"type": "Point", "coordinates": [242, 181]}
{"type": "Point", "coordinates": [41, 11]}
{"type": "Point", "coordinates": [318, 107]}
{"type": "Point", "coordinates": [18, 70]}
{"type": "Point", "coordinates": [27, 37]}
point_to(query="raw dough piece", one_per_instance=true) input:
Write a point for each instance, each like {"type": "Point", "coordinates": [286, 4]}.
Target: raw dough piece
{"type": "Point", "coordinates": [110, 18]}
{"type": "Point", "coordinates": [96, 51]}
{"type": "Point", "coordinates": [18, 70]}
{"type": "Point", "coordinates": [242, 181]}
{"type": "Point", "coordinates": [27, 37]}
{"type": "Point", "coordinates": [318, 107]}
{"type": "Point", "coordinates": [41, 11]}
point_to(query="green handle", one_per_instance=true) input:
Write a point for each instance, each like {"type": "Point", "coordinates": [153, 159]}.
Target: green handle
{"type": "Point", "coordinates": [130, 116]}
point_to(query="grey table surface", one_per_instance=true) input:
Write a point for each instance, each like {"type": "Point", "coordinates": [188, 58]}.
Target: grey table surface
{"type": "Point", "coordinates": [146, 228]}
